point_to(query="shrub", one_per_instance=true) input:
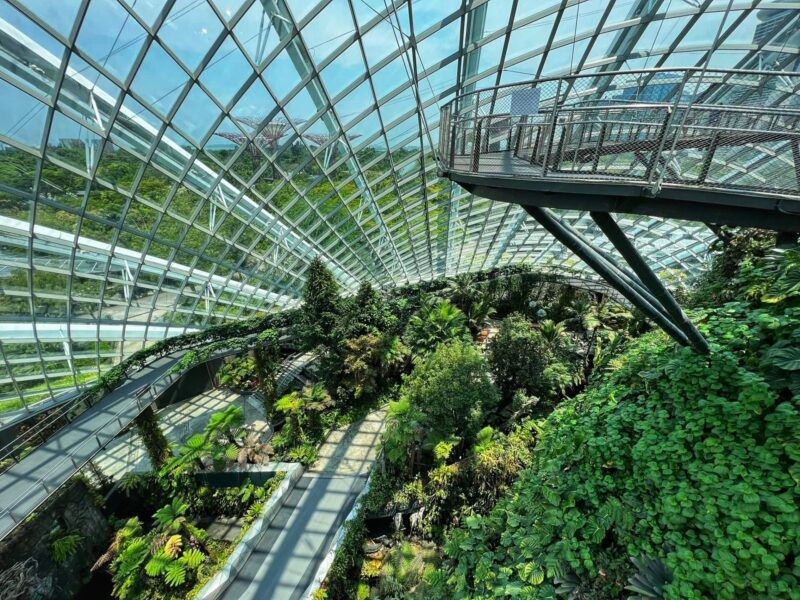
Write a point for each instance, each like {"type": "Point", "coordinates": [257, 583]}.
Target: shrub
{"type": "Point", "coordinates": [539, 361]}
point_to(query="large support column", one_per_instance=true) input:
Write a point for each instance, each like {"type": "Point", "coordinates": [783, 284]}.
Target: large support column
{"type": "Point", "coordinates": [601, 266]}
{"type": "Point", "coordinates": [626, 248]}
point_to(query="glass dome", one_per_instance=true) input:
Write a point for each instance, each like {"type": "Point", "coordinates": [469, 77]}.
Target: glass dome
{"type": "Point", "coordinates": [170, 164]}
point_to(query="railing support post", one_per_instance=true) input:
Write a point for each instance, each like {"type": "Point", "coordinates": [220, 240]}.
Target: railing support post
{"type": "Point", "coordinates": [476, 146]}
{"type": "Point", "coordinates": [552, 132]}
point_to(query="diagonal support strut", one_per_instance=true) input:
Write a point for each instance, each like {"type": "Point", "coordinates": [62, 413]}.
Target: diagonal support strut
{"type": "Point", "coordinates": [641, 292]}
{"type": "Point", "coordinates": [645, 274]}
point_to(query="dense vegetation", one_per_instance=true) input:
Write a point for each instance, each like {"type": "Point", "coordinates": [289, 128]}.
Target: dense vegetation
{"type": "Point", "coordinates": [687, 464]}
{"type": "Point", "coordinates": [576, 454]}
{"type": "Point", "coordinates": [672, 475]}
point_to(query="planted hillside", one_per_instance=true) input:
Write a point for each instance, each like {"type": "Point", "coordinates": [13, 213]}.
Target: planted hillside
{"type": "Point", "coordinates": [675, 476]}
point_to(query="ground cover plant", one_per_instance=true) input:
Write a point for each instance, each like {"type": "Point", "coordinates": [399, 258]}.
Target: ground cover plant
{"type": "Point", "coordinates": [675, 476]}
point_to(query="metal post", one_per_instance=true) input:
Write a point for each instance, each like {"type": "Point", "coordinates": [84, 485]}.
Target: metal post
{"type": "Point", "coordinates": [600, 139]}
{"type": "Point", "coordinates": [476, 146]}
{"type": "Point", "coordinates": [626, 248]}
{"type": "Point", "coordinates": [709, 156]}
{"type": "Point", "coordinates": [552, 131]}
{"type": "Point", "coordinates": [453, 145]}
{"type": "Point", "coordinates": [622, 273]}
{"type": "Point", "coordinates": [565, 235]}
{"type": "Point", "coordinates": [662, 140]}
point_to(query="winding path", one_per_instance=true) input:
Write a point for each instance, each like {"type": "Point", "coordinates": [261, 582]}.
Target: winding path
{"type": "Point", "coordinates": [287, 557]}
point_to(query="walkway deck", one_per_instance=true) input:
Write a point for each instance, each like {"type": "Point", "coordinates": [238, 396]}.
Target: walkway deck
{"type": "Point", "coordinates": [28, 483]}
{"type": "Point", "coordinates": [287, 558]}
{"type": "Point", "coordinates": [178, 421]}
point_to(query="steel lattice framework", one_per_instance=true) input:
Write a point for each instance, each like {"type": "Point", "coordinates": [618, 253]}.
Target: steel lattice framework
{"type": "Point", "coordinates": [168, 164]}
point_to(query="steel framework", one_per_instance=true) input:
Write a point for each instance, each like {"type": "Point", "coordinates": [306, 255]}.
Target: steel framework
{"type": "Point", "coordinates": [143, 203]}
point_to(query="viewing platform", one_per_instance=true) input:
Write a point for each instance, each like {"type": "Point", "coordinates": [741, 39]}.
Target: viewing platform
{"type": "Point", "coordinates": [718, 146]}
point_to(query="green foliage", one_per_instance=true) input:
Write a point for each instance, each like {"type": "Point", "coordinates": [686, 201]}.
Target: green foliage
{"type": "Point", "coordinates": [153, 439]}
{"type": "Point", "coordinates": [238, 373]}
{"type": "Point", "coordinates": [727, 278]}
{"type": "Point", "coordinates": [446, 395]}
{"type": "Point", "coordinates": [433, 324]}
{"type": "Point", "coordinates": [64, 546]}
{"type": "Point", "coordinates": [225, 424]}
{"type": "Point", "coordinates": [479, 313]}
{"type": "Point", "coordinates": [321, 305]}
{"type": "Point", "coordinates": [540, 361]}
{"type": "Point", "coordinates": [341, 582]}
{"type": "Point", "coordinates": [191, 454]}
{"type": "Point", "coordinates": [371, 362]}
{"type": "Point", "coordinates": [266, 362]}
{"type": "Point", "coordinates": [405, 571]}
{"type": "Point", "coordinates": [366, 313]}
{"type": "Point", "coordinates": [689, 459]}
{"type": "Point", "coordinates": [303, 412]}
{"type": "Point", "coordinates": [169, 556]}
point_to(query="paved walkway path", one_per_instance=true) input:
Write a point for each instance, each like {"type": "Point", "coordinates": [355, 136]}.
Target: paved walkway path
{"type": "Point", "coordinates": [287, 557]}
{"type": "Point", "coordinates": [178, 421]}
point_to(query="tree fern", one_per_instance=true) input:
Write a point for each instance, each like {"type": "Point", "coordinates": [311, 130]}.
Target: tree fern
{"type": "Point", "coordinates": [192, 558]}
{"type": "Point", "coordinates": [157, 564]}
{"type": "Point", "coordinates": [176, 574]}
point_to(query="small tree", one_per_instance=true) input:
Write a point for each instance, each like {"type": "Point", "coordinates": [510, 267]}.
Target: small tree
{"type": "Point", "coordinates": [367, 313]}
{"type": "Point", "coordinates": [155, 443]}
{"type": "Point", "coordinates": [538, 361]}
{"type": "Point", "coordinates": [267, 357]}
{"type": "Point", "coordinates": [321, 305]}
{"type": "Point", "coordinates": [452, 391]}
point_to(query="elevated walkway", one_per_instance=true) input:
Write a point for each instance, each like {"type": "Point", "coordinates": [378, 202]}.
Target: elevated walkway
{"type": "Point", "coordinates": [716, 146]}
{"type": "Point", "coordinates": [289, 555]}
{"type": "Point", "coordinates": [710, 145]}
{"type": "Point", "coordinates": [41, 472]}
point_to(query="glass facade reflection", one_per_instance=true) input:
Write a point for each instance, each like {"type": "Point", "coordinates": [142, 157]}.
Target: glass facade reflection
{"type": "Point", "coordinates": [170, 164]}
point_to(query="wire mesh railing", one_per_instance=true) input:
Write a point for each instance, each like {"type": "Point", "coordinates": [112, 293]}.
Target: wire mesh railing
{"type": "Point", "coordinates": [720, 129]}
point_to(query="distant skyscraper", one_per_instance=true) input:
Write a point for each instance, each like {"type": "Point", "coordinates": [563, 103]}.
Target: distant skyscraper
{"type": "Point", "coordinates": [778, 27]}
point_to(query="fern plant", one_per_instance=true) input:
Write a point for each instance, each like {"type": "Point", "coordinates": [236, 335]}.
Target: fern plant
{"type": "Point", "coordinates": [61, 548]}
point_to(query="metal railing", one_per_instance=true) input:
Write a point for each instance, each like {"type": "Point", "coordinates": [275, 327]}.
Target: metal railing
{"type": "Point", "coordinates": [715, 129]}
{"type": "Point", "coordinates": [69, 463]}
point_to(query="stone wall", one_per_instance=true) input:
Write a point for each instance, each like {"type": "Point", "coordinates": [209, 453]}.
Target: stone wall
{"type": "Point", "coordinates": [71, 510]}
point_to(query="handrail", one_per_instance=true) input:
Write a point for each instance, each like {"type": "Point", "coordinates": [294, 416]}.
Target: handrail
{"type": "Point", "coordinates": [649, 131]}
{"type": "Point", "coordinates": [606, 74]}
{"type": "Point", "coordinates": [153, 390]}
